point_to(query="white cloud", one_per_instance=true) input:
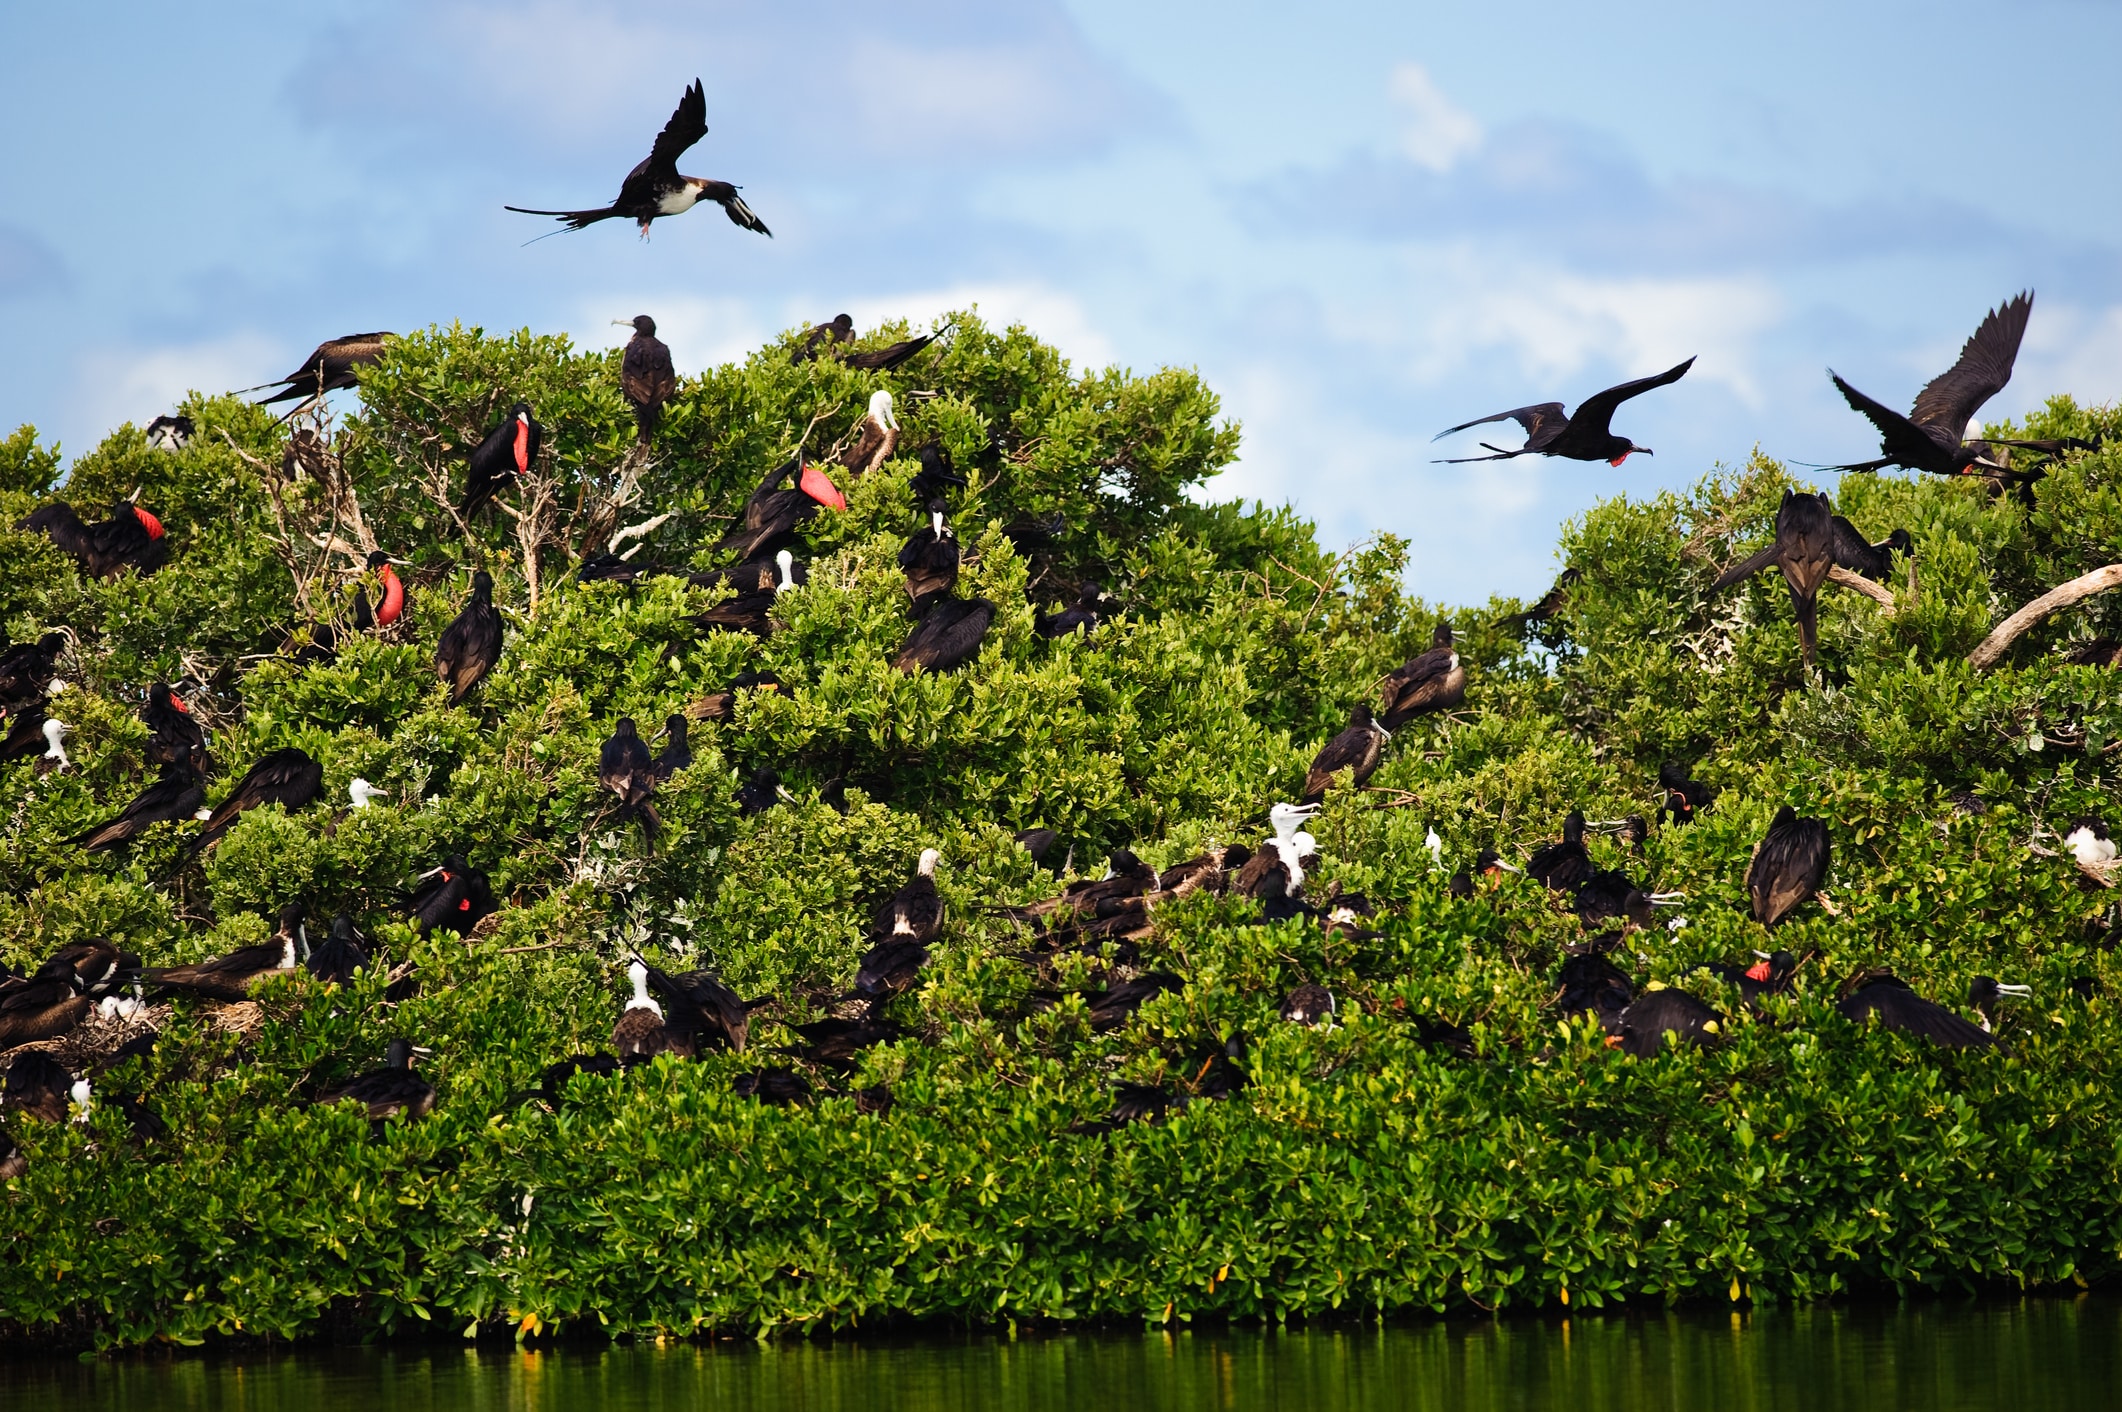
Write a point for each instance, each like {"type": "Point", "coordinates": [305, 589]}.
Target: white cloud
{"type": "Point", "coordinates": [2069, 348]}
{"type": "Point", "coordinates": [117, 385]}
{"type": "Point", "coordinates": [1054, 316]}
{"type": "Point", "coordinates": [1437, 131]}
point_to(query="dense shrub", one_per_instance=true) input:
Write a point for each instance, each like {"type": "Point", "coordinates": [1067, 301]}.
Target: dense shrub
{"type": "Point", "coordinates": [1360, 1170]}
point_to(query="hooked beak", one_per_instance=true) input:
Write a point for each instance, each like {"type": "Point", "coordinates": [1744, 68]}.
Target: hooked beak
{"type": "Point", "coordinates": [2020, 991]}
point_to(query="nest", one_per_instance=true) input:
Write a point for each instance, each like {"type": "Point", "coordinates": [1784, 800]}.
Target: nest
{"type": "Point", "coordinates": [88, 1046]}
{"type": "Point", "coordinates": [241, 1018]}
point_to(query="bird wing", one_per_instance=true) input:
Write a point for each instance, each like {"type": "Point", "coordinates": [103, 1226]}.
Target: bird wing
{"type": "Point", "coordinates": [891, 355]}
{"type": "Point", "coordinates": [647, 375]}
{"type": "Point", "coordinates": [1905, 1010]}
{"type": "Point", "coordinates": [1949, 401]}
{"type": "Point", "coordinates": [1352, 749]}
{"type": "Point", "coordinates": [687, 125]}
{"type": "Point", "coordinates": [1788, 870]}
{"type": "Point", "coordinates": [1595, 411]}
{"type": "Point", "coordinates": [1852, 550]}
{"type": "Point", "coordinates": [1746, 568]}
{"type": "Point", "coordinates": [1533, 418]}
{"type": "Point", "coordinates": [1900, 437]}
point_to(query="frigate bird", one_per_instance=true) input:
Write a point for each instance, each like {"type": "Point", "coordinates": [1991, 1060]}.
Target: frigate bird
{"type": "Point", "coordinates": [471, 644]}
{"type": "Point", "coordinates": [833, 332]}
{"type": "Point", "coordinates": [1883, 995]}
{"type": "Point", "coordinates": [171, 433]}
{"type": "Point", "coordinates": [878, 360]}
{"type": "Point", "coordinates": [1358, 749]}
{"type": "Point", "coordinates": [1082, 616]}
{"type": "Point", "coordinates": [1429, 682]}
{"type": "Point", "coordinates": [1684, 797]}
{"type": "Point", "coordinates": [1932, 437]}
{"type": "Point", "coordinates": [655, 188]}
{"type": "Point", "coordinates": [501, 457]}
{"type": "Point", "coordinates": [389, 1092]}
{"type": "Point", "coordinates": [287, 777]}
{"type": "Point", "coordinates": [27, 670]}
{"type": "Point", "coordinates": [174, 736]}
{"type": "Point", "coordinates": [177, 795]}
{"type": "Point", "coordinates": [947, 637]}
{"type": "Point", "coordinates": [1860, 556]}
{"type": "Point", "coordinates": [332, 365]}
{"type": "Point", "coordinates": [647, 376]}
{"type": "Point", "coordinates": [1788, 867]}
{"type": "Point", "coordinates": [1804, 549]}
{"type": "Point", "coordinates": [876, 436]}
{"type": "Point", "coordinates": [1564, 866]}
{"type": "Point", "coordinates": [929, 559]}
{"type": "Point", "coordinates": [625, 767]}
{"type": "Point", "coordinates": [1582, 436]}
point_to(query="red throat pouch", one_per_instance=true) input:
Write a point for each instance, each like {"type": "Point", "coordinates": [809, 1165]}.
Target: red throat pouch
{"type": "Point", "coordinates": [148, 522]}
{"type": "Point", "coordinates": [815, 484]}
{"type": "Point", "coordinates": [393, 598]}
{"type": "Point", "coordinates": [523, 448]}
{"type": "Point", "coordinates": [1759, 971]}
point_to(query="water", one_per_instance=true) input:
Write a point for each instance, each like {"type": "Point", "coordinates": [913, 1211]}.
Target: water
{"type": "Point", "coordinates": [2025, 1356]}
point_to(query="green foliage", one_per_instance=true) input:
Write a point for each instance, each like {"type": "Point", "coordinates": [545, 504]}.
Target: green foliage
{"type": "Point", "coordinates": [1360, 1170]}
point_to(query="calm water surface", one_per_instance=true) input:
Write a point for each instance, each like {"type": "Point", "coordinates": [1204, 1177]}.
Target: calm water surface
{"type": "Point", "coordinates": [2022, 1356]}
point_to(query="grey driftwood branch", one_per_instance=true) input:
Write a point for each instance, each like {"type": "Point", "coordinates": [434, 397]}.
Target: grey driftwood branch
{"type": "Point", "coordinates": [2012, 628]}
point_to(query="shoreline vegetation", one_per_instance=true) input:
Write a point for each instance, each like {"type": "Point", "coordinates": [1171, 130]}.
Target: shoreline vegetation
{"type": "Point", "coordinates": [1448, 1141]}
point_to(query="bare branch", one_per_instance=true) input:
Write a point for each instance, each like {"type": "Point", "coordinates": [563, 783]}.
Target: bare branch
{"type": "Point", "coordinates": [2001, 638]}
{"type": "Point", "coordinates": [1878, 593]}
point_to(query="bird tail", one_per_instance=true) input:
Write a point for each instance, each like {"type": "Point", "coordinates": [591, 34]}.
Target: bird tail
{"type": "Point", "coordinates": [574, 220]}
{"type": "Point", "coordinates": [1805, 606]}
{"type": "Point", "coordinates": [646, 417]}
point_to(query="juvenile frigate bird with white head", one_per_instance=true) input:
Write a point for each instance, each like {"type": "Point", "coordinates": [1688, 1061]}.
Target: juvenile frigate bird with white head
{"type": "Point", "coordinates": [655, 187]}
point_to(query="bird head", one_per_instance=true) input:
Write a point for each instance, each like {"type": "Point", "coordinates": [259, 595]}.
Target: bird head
{"type": "Point", "coordinates": [1628, 449]}
{"type": "Point", "coordinates": [378, 559]}
{"type": "Point", "coordinates": [1442, 637]}
{"type": "Point", "coordinates": [362, 793]}
{"type": "Point", "coordinates": [880, 410]}
{"type": "Point", "coordinates": [641, 324]}
{"type": "Point", "coordinates": [929, 858]}
{"type": "Point", "coordinates": [787, 564]}
{"type": "Point", "coordinates": [482, 584]}
{"type": "Point", "coordinates": [1901, 542]}
{"type": "Point", "coordinates": [398, 1054]}
{"type": "Point", "coordinates": [55, 732]}
{"type": "Point", "coordinates": [623, 728]}
{"type": "Point", "coordinates": [1284, 818]}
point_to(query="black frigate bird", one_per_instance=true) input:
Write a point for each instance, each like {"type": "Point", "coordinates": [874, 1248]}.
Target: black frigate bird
{"type": "Point", "coordinates": [1584, 436]}
{"type": "Point", "coordinates": [45, 1006]}
{"type": "Point", "coordinates": [340, 956]}
{"type": "Point", "coordinates": [935, 475]}
{"type": "Point", "coordinates": [177, 795]}
{"type": "Point", "coordinates": [1428, 682]}
{"type": "Point", "coordinates": [1642, 1027]}
{"type": "Point", "coordinates": [1610, 895]}
{"type": "Point", "coordinates": [1119, 1003]}
{"type": "Point", "coordinates": [760, 793]}
{"type": "Point", "coordinates": [40, 1086]}
{"type": "Point", "coordinates": [330, 367]}
{"type": "Point", "coordinates": [654, 188]}
{"type": "Point", "coordinates": [1358, 749]}
{"type": "Point", "coordinates": [625, 767]}
{"type": "Point", "coordinates": [833, 332]}
{"type": "Point", "coordinates": [647, 376]}
{"type": "Point", "coordinates": [287, 777]}
{"type": "Point", "coordinates": [1860, 556]}
{"type": "Point", "coordinates": [27, 670]}
{"type": "Point", "coordinates": [706, 1006]}
{"type": "Point", "coordinates": [880, 360]}
{"type": "Point", "coordinates": [471, 644]}
{"type": "Point", "coordinates": [1788, 867]}
{"type": "Point", "coordinates": [236, 975]}
{"type": "Point", "coordinates": [947, 637]}
{"type": "Point", "coordinates": [389, 1092]}
{"type": "Point", "coordinates": [1685, 798]}
{"type": "Point", "coordinates": [1933, 436]}
{"type": "Point", "coordinates": [1804, 549]}
{"type": "Point", "coordinates": [1896, 1005]}
{"type": "Point", "coordinates": [25, 734]}
{"type": "Point", "coordinates": [772, 512]}
{"type": "Point", "coordinates": [782, 1088]}
{"type": "Point", "coordinates": [929, 560]}
{"type": "Point", "coordinates": [1309, 1005]}
{"type": "Point", "coordinates": [1564, 866]}
{"type": "Point", "coordinates": [455, 897]}
{"type": "Point", "coordinates": [174, 736]}
{"type": "Point", "coordinates": [677, 751]}
{"type": "Point", "coordinates": [915, 911]}
{"type": "Point", "coordinates": [838, 1043]}
{"type": "Point", "coordinates": [643, 1031]}
{"type": "Point", "coordinates": [1770, 974]}
{"type": "Point", "coordinates": [502, 455]}
{"type": "Point", "coordinates": [1081, 616]}
{"type": "Point", "coordinates": [130, 538]}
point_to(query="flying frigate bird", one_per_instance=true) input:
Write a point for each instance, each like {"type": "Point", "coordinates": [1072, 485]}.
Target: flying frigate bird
{"type": "Point", "coordinates": [655, 188]}
{"type": "Point", "coordinates": [1582, 436]}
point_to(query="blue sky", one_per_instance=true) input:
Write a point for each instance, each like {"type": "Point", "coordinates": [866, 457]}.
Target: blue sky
{"type": "Point", "coordinates": [1361, 222]}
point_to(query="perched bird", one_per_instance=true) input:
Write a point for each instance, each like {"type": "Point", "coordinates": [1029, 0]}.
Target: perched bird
{"type": "Point", "coordinates": [1034, 534]}
{"type": "Point", "coordinates": [287, 777]}
{"type": "Point", "coordinates": [554, 1080]}
{"type": "Point", "coordinates": [1588, 982]}
{"type": "Point", "coordinates": [1309, 1005]}
{"type": "Point", "coordinates": [654, 187]}
{"type": "Point", "coordinates": [27, 670]}
{"type": "Point", "coordinates": [175, 796]}
{"type": "Point", "coordinates": [708, 1008]}
{"type": "Point", "coordinates": [1281, 853]}
{"type": "Point", "coordinates": [752, 611]}
{"type": "Point", "coordinates": [455, 897]}
{"type": "Point", "coordinates": [171, 433]}
{"type": "Point", "coordinates": [915, 911]}
{"type": "Point", "coordinates": [1608, 895]}
{"type": "Point", "coordinates": [677, 752]}
{"type": "Point", "coordinates": [1126, 877]}
{"type": "Point", "coordinates": [360, 794]}
{"type": "Point", "coordinates": [641, 1033]}
{"type": "Point", "coordinates": [2090, 844]}
{"type": "Point", "coordinates": [783, 1088]}
{"type": "Point", "coordinates": [1770, 974]}
{"type": "Point", "coordinates": [625, 767]}
{"type": "Point", "coordinates": [1648, 1021]}
{"type": "Point", "coordinates": [1081, 616]}
{"type": "Point", "coordinates": [471, 644]}
{"type": "Point", "coordinates": [890, 967]}
{"type": "Point", "coordinates": [876, 437]}
{"type": "Point", "coordinates": [1882, 994]}
{"type": "Point", "coordinates": [1038, 843]}
{"type": "Point", "coordinates": [880, 360]}
{"type": "Point", "coordinates": [1566, 865]}
{"type": "Point", "coordinates": [234, 976]}
{"type": "Point", "coordinates": [759, 793]}
{"type": "Point", "coordinates": [1138, 1103]}
{"type": "Point", "coordinates": [501, 457]}
{"type": "Point", "coordinates": [389, 1092]}
{"type": "Point", "coordinates": [830, 334]}
{"type": "Point", "coordinates": [390, 605]}
{"type": "Point", "coordinates": [1584, 436]}
{"type": "Point", "coordinates": [768, 573]}
{"type": "Point", "coordinates": [772, 512]}
{"type": "Point", "coordinates": [25, 734]}
{"type": "Point", "coordinates": [935, 475]}
{"type": "Point", "coordinates": [55, 758]}
{"type": "Point", "coordinates": [1985, 993]}
{"type": "Point", "coordinates": [948, 635]}
{"type": "Point", "coordinates": [130, 538]}
{"type": "Point", "coordinates": [1430, 682]}
{"type": "Point", "coordinates": [331, 366]}
{"type": "Point", "coordinates": [929, 560]}
{"type": "Point", "coordinates": [1788, 867]}
{"type": "Point", "coordinates": [1933, 436]}
{"type": "Point", "coordinates": [41, 1087]}
{"type": "Point", "coordinates": [1804, 549]}
{"type": "Point", "coordinates": [1860, 556]}
{"type": "Point", "coordinates": [174, 737]}
{"type": "Point", "coordinates": [839, 1043]}
{"type": "Point", "coordinates": [1487, 866]}
{"type": "Point", "coordinates": [1685, 798]}
{"type": "Point", "coordinates": [647, 377]}
{"type": "Point", "coordinates": [1219, 1074]}
{"type": "Point", "coordinates": [1358, 749]}
{"type": "Point", "coordinates": [722, 705]}
{"type": "Point", "coordinates": [43, 1006]}
{"type": "Point", "coordinates": [341, 956]}
{"type": "Point", "coordinates": [1119, 1003]}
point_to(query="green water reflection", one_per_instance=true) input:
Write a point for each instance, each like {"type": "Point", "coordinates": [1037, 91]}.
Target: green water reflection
{"type": "Point", "coordinates": [2023, 1356]}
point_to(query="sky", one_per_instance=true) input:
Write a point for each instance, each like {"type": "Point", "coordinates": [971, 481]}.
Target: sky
{"type": "Point", "coordinates": [1361, 222]}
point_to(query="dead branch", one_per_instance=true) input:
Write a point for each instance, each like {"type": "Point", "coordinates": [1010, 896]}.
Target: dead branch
{"type": "Point", "coordinates": [1878, 593]}
{"type": "Point", "coordinates": [1993, 647]}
